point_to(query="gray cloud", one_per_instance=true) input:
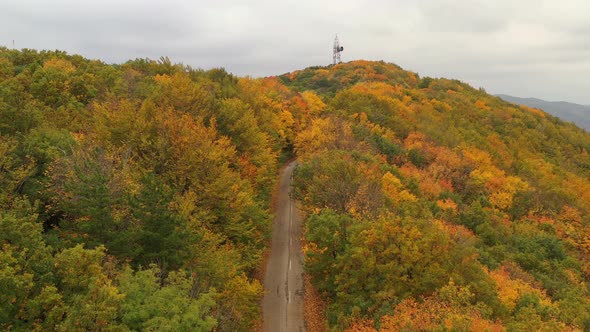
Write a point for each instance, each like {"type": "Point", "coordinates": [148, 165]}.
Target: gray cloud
{"type": "Point", "coordinates": [457, 16]}
{"type": "Point", "coordinates": [526, 48]}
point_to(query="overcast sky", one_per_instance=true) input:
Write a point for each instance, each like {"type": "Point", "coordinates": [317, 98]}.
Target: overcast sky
{"type": "Point", "coordinates": [527, 48]}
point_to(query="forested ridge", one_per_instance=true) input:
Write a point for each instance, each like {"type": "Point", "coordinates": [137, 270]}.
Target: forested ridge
{"type": "Point", "coordinates": [137, 197]}
{"type": "Point", "coordinates": [134, 196]}
{"type": "Point", "coordinates": [434, 206]}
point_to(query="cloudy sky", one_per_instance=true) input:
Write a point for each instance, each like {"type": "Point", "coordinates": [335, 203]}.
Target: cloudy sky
{"type": "Point", "coordinates": [527, 48]}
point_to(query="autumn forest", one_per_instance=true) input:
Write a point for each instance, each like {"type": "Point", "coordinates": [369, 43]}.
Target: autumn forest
{"type": "Point", "coordinates": [138, 196]}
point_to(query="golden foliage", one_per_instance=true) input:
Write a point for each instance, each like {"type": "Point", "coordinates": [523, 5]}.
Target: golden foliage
{"type": "Point", "coordinates": [447, 309]}
{"type": "Point", "coordinates": [534, 111]}
{"type": "Point", "coordinates": [394, 189]}
{"type": "Point", "coordinates": [59, 64]}
{"type": "Point", "coordinates": [314, 103]}
{"type": "Point", "coordinates": [513, 283]}
{"type": "Point", "coordinates": [314, 308]}
{"type": "Point", "coordinates": [447, 204]}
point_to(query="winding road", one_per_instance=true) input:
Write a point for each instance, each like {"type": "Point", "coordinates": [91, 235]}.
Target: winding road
{"type": "Point", "coordinates": [282, 304]}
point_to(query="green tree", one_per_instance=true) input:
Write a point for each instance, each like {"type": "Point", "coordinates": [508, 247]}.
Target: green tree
{"type": "Point", "coordinates": [326, 236]}
{"type": "Point", "coordinates": [93, 301]}
{"type": "Point", "coordinates": [171, 305]}
{"type": "Point", "coordinates": [161, 236]}
{"type": "Point", "coordinates": [88, 190]}
{"type": "Point", "coordinates": [26, 271]}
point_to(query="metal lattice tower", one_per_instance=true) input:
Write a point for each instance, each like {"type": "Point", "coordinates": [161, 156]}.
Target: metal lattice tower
{"type": "Point", "coordinates": [337, 50]}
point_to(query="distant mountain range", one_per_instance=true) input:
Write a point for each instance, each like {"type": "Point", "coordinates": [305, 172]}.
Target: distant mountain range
{"type": "Point", "coordinates": [576, 113]}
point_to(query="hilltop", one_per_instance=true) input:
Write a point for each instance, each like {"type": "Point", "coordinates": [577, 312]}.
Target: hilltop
{"type": "Point", "coordinates": [137, 196]}
{"type": "Point", "coordinates": [429, 198]}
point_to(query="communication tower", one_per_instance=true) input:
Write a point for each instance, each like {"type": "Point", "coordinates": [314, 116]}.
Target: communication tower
{"type": "Point", "coordinates": [337, 50]}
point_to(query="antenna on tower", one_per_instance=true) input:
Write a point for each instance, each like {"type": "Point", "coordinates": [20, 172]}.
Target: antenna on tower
{"type": "Point", "coordinates": [337, 50]}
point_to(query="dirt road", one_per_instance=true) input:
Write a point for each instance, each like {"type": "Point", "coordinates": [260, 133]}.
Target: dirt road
{"type": "Point", "coordinates": [283, 282]}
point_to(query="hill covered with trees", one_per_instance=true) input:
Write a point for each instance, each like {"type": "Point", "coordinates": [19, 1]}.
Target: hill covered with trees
{"type": "Point", "coordinates": [435, 206]}
{"type": "Point", "coordinates": [137, 197]}
{"type": "Point", "coordinates": [134, 196]}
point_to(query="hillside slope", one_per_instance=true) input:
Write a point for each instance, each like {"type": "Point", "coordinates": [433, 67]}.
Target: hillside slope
{"type": "Point", "coordinates": [433, 205]}
{"type": "Point", "coordinates": [136, 197]}
{"type": "Point", "coordinates": [578, 114]}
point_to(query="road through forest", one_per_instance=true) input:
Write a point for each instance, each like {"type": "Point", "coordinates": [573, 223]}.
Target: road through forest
{"type": "Point", "coordinates": [282, 304]}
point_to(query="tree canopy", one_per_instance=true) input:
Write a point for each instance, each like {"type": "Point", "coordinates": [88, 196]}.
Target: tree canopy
{"type": "Point", "coordinates": [137, 197]}
{"type": "Point", "coordinates": [432, 205]}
